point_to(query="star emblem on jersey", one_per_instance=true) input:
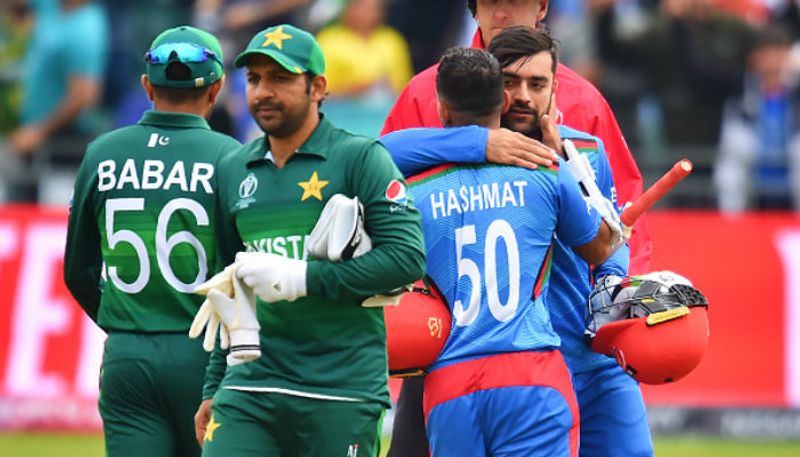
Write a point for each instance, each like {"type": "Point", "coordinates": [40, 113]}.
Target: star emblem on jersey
{"type": "Point", "coordinates": [276, 37]}
{"type": "Point", "coordinates": [312, 187]}
{"type": "Point", "coordinates": [210, 428]}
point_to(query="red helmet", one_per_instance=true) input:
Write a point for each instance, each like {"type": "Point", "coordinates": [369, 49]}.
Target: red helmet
{"type": "Point", "coordinates": [416, 330]}
{"type": "Point", "coordinates": [663, 333]}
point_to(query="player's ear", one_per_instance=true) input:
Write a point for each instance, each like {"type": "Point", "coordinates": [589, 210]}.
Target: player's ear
{"type": "Point", "coordinates": [148, 88]}
{"type": "Point", "coordinates": [216, 88]}
{"type": "Point", "coordinates": [319, 84]}
{"type": "Point", "coordinates": [506, 101]}
{"type": "Point", "coordinates": [444, 112]}
{"type": "Point", "coordinates": [543, 5]}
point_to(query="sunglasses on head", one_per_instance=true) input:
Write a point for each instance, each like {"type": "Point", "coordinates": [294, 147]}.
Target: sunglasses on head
{"type": "Point", "coordinates": [185, 52]}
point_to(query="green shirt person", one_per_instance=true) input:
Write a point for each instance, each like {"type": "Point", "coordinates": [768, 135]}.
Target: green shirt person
{"type": "Point", "coordinates": [320, 385]}
{"type": "Point", "coordinates": [141, 238]}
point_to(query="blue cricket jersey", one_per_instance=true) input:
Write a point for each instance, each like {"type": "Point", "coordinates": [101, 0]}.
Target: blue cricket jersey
{"type": "Point", "coordinates": [489, 234]}
{"type": "Point", "coordinates": [415, 150]}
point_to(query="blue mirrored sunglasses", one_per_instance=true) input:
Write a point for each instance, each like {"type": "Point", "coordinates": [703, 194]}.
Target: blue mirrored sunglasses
{"type": "Point", "coordinates": [185, 52]}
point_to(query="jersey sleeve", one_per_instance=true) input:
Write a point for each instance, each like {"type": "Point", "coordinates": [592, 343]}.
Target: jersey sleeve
{"type": "Point", "coordinates": [416, 150]}
{"type": "Point", "coordinates": [82, 256]}
{"type": "Point", "coordinates": [392, 222]}
{"type": "Point", "coordinates": [578, 222]}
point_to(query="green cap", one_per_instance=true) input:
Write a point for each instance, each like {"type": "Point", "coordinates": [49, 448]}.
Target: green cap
{"type": "Point", "coordinates": [195, 49]}
{"type": "Point", "coordinates": [295, 49]}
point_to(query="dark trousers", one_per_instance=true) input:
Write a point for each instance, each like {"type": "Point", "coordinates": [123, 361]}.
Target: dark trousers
{"type": "Point", "coordinates": [408, 432]}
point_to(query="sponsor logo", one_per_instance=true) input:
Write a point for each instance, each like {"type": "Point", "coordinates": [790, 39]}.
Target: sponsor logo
{"type": "Point", "coordinates": [396, 192]}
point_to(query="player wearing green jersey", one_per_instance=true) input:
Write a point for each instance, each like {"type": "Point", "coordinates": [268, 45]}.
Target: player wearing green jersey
{"type": "Point", "coordinates": [320, 385]}
{"type": "Point", "coordinates": [143, 205]}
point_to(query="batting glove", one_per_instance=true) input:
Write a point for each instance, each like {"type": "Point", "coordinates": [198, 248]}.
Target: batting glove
{"type": "Point", "coordinates": [206, 316]}
{"type": "Point", "coordinates": [273, 277]}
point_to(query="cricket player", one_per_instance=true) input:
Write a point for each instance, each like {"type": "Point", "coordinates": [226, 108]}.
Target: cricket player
{"type": "Point", "coordinates": [141, 238]}
{"type": "Point", "coordinates": [320, 385]}
{"type": "Point", "coordinates": [580, 106]}
{"type": "Point", "coordinates": [500, 379]}
{"type": "Point", "coordinates": [613, 415]}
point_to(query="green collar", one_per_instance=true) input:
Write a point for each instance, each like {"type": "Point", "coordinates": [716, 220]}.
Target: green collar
{"type": "Point", "coordinates": [317, 144]}
{"type": "Point", "coordinates": [168, 119]}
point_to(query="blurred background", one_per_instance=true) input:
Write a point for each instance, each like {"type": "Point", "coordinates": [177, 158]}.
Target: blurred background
{"type": "Point", "coordinates": [715, 81]}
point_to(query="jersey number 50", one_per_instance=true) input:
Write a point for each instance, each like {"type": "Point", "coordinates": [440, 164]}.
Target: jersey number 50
{"type": "Point", "coordinates": [467, 267]}
{"type": "Point", "coordinates": [164, 244]}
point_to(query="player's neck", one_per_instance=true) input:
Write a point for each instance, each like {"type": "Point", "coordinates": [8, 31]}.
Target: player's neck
{"type": "Point", "coordinates": [198, 109]}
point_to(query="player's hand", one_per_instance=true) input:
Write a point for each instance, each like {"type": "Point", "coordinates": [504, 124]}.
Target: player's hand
{"type": "Point", "coordinates": [273, 277]}
{"type": "Point", "coordinates": [512, 148]}
{"type": "Point", "coordinates": [550, 135]}
{"type": "Point", "coordinates": [602, 309]}
{"type": "Point", "coordinates": [201, 419]}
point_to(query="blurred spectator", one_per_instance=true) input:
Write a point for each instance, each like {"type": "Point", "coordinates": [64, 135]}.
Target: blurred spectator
{"type": "Point", "coordinates": [14, 31]}
{"type": "Point", "coordinates": [689, 55]}
{"type": "Point", "coordinates": [758, 165]}
{"type": "Point", "coordinates": [571, 24]}
{"type": "Point", "coordinates": [368, 64]}
{"type": "Point", "coordinates": [62, 83]}
{"type": "Point", "coordinates": [236, 21]}
{"type": "Point", "coordinates": [429, 26]}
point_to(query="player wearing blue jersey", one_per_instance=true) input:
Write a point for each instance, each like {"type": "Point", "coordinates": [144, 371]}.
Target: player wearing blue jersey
{"type": "Point", "coordinates": [489, 233]}
{"type": "Point", "coordinates": [613, 416]}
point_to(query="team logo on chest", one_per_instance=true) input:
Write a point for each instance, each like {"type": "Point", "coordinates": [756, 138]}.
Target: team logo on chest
{"type": "Point", "coordinates": [312, 187]}
{"type": "Point", "coordinates": [247, 188]}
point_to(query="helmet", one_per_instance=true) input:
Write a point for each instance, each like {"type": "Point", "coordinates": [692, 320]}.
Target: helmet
{"type": "Point", "coordinates": [416, 330]}
{"type": "Point", "coordinates": [654, 325]}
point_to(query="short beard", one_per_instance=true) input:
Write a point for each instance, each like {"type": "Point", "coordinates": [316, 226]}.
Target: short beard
{"type": "Point", "coordinates": [533, 131]}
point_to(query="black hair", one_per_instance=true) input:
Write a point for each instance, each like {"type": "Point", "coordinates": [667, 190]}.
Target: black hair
{"type": "Point", "coordinates": [521, 42]}
{"type": "Point", "coordinates": [180, 95]}
{"type": "Point", "coordinates": [469, 81]}
{"type": "Point", "coordinates": [472, 5]}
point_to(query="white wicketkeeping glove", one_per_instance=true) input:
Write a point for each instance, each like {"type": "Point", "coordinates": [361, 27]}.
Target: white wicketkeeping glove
{"type": "Point", "coordinates": [580, 168]}
{"type": "Point", "coordinates": [273, 277]}
{"type": "Point", "coordinates": [339, 233]}
{"type": "Point", "coordinates": [234, 317]}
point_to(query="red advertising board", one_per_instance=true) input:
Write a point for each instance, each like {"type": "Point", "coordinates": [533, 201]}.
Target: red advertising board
{"type": "Point", "coordinates": [748, 266]}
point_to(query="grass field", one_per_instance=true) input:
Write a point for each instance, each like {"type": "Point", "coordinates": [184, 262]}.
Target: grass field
{"type": "Point", "coordinates": [53, 445]}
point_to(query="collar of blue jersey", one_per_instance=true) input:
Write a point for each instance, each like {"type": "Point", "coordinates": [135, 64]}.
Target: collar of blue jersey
{"type": "Point", "coordinates": [317, 144]}
{"type": "Point", "coordinates": [169, 119]}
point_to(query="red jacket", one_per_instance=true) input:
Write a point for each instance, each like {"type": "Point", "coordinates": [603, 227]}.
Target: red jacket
{"type": "Point", "coordinates": [580, 105]}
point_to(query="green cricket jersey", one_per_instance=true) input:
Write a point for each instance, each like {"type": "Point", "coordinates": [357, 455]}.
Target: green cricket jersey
{"type": "Point", "coordinates": [325, 345]}
{"type": "Point", "coordinates": [142, 212]}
